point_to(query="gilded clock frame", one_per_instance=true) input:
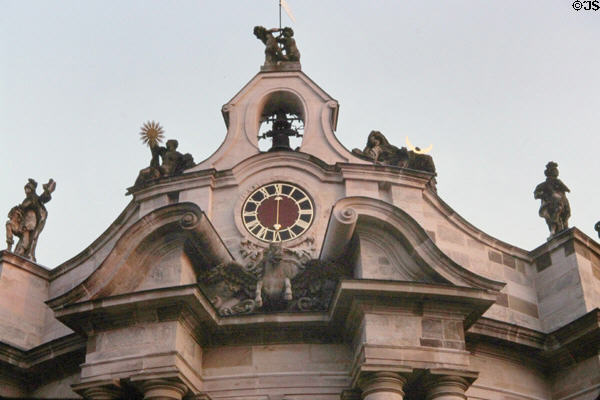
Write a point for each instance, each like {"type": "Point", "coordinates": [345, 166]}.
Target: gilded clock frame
{"type": "Point", "coordinates": [304, 202]}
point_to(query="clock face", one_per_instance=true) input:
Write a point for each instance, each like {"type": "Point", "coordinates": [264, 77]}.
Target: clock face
{"type": "Point", "coordinates": [277, 212]}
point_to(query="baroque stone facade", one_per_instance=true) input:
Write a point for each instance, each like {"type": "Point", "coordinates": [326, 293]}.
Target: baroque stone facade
{"type": "Point", "coordinates": [315, 273]}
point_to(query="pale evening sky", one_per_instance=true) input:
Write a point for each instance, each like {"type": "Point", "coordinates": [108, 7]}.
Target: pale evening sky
{"type": "Point", "coordinates": [498, 87]}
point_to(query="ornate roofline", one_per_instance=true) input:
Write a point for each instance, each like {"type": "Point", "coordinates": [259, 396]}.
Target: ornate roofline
{"type": "Point", "coordinates": [421, 243]}
{"type": "Point", "coordinates": [184, 220]}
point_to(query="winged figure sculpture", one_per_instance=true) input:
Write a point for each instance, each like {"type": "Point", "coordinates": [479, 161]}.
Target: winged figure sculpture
{"type": "Point", "coordinates": [274, 283]}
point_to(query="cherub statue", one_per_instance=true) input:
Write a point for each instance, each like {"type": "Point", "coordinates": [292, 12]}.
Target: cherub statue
{"type": "Point", "coordinates": [27, 219]}
{"type": "Point", "coordinates": [289, 44]}
{"type": "Point", "coordinates": [555, 207]}
{"type": "Point", "coordinates": [273, 52]}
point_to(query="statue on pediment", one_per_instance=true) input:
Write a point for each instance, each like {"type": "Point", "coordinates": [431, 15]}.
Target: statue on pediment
{"type": "Point", "coordinates": [286, 39]}
{"type": "Point", "coordinates": [555, 207]}
{"type": "Point", "coordinates": [277, 281]}
{"type": "Point", "coordinates": [379, 150]}
{"type": "Point", "coordinates": [278, 49]}
{"type": "Point", "coordinates": [27, 220]}
{"type": "Point", "coordinates": [166, 161]}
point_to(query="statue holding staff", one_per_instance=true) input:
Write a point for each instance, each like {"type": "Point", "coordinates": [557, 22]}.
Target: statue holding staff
{"type": "Point", "coordinates": [27, 219]}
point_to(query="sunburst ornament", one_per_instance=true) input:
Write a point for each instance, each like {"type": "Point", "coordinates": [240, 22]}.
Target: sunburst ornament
{"type": "Point", "coordinates": [152, 133]}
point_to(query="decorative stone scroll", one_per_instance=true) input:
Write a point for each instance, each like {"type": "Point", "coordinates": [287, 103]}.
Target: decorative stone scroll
{"type": "Point", "coordinates": [273, 279]}
{"type": "Point", "coordinates": [380, 151]}
{"type": "Point", "coordinates": [339, 233]}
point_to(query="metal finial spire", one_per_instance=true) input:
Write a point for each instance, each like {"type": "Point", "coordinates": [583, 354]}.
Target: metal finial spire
{"type": "Point", "coordinates": [288, 11]}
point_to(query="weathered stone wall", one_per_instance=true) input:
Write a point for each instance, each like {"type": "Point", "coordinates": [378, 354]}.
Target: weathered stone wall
{"type": "Point", "coordinates": [567, 279]}
{"type": "Point", "coordinates": [578, 382]}
{"type": "Point", "coordinates": [58, 389]}
{"type": "Point", "coordinates": [23, 290]}
{"type": "Point", "coordinates": [506, 374]}
{"type": "Point", "coordinates": [293, 371]}
{"type": "Point", "coordinates": [173, 268]}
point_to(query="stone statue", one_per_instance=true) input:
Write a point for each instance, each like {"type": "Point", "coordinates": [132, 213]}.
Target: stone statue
{"type": "Point", "coordinates": [173, 162]}
{"type": "Point", "coordinates": [273, 52]}
{"type": "Point", "coordinates": [276, 282]}
{"type": "Point", "coordinates": [555, 207]}
{"type": "Point", "coordinates": [379, 150]}
{"type": "Point", "coordinates": [289, 44]}
{"type": "Point", "coordinates": [27, 220]}
{"type": "Point", "coordinates": [597, 228]}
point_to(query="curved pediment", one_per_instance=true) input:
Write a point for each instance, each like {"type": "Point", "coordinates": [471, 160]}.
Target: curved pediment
{"type": "Point", "coordinates": [276, 161]}
{"type": "Point", "coordinates": [161, 249]}
{"type": "Point", "coordinates": [291, 92]}
{"type": "Point", "coordinates": [387, 243]}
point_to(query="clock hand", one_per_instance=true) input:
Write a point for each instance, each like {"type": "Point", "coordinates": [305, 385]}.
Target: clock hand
{"type": "Point", "coordinates": [277, 225]}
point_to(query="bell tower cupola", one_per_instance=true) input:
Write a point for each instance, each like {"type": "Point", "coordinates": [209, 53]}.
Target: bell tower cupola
{"type": "Point", "coordinates": [280, 109]}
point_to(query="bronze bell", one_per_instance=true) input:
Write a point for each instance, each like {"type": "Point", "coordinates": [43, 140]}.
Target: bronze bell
{"type": "Point", "coordinates": [281, 132]}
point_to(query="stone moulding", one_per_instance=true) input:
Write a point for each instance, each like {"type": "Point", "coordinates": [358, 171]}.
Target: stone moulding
{"type": "Point", "coordinates": [87, 316]}
{"type": "Point", "coordinates": [471, 230]}
{"type": "Point", "coordinates": [117, 227]}
{"type": "Point", "coordinates": [242, 115]}
{"type": "Point", "coordinates": [486, 327]}
{"type": "Point", "coordinates": [183, 221]}
{"type": "Point", "coordinates": [413, 236]}
{"type": "Point", "coordinates": [57, 354]}
{"type": "Point", "coordinates": [25, 264]}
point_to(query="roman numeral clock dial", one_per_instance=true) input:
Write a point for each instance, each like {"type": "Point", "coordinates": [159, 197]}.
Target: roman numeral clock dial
{"type": "Point", "coordinates": [277, 212]}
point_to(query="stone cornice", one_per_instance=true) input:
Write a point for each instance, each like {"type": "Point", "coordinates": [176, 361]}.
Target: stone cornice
{"type": "Point", "coordinates": [470, 302]}
{"type": "Point", "coordinates": [562, 238]}
{"type": "Point", "coordinates": [188, 304]}
{"type": "Point", "coordinates": [474, 232]}
{"type": "Point", "coordinates": [565, 346]}
{"type": "Point", "coordinates": [574, 342]}
{"type": "Point", "coordinates": [184, 220]}
{"type": "Point", "coordinates": [47, 352]}
{"type": "Point", "coordinates": [111, 232]}
{"type": "Point", "coordinates": [24, 264]}
{"type": "Point", "coordinates": [175, 183]}
{"type": "Point", "coordinates": [420, 244]}
{"type": "Point", "coordinates": [386, 173]}
{"type": "Point", "coordinates": [507, 332]}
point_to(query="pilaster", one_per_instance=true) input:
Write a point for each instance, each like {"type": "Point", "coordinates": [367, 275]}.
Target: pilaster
{"type": "Point", "coordinates": [446, 387]}
{"type": "Point", "coordinates": [102, 390]}
{"type": "Point", "coordinates": [163, 389]}
{"type": "Point", "coordinates": [382, 386]}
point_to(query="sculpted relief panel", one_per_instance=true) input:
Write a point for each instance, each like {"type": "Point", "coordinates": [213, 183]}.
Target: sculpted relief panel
{"type": "Point", "coordinates": [272, 278]}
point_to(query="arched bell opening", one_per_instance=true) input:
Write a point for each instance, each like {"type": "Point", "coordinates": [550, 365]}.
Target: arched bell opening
{"type": "Point", "coordinates": [281, 122]}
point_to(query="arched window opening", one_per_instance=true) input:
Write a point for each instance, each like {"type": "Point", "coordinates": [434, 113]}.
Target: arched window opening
{"type": "Point", "coordinates": [281, 122]}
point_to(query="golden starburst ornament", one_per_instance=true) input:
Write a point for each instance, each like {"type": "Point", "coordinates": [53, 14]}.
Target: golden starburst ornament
{"type": "Point", "coordinates": [152, 133]}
